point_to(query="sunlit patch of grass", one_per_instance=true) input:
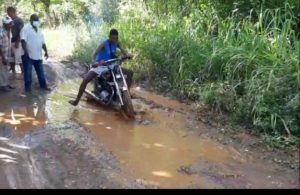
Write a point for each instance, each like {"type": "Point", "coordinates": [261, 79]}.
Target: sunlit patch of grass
{"type": "Point", "coordinates": [60, 41]}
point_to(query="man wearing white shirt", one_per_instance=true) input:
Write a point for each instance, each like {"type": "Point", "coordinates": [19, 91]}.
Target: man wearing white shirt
{"type": "Point", "coordinates": [33, 43]}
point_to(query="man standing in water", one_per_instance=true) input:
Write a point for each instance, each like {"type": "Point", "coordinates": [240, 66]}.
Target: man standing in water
{"type": "Point", "coordinates": [106, 51]}
{"type": "Point", "coordinates": [4, 53]}
{"type": "Point", "coordinates": [16, 40]}
{"type": "Point", "coordinates": [33, 42]}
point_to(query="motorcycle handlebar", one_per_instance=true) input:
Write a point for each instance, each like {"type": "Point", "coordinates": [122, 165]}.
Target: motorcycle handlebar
{"type": "Point", "coordinates": [112, 61]}
{"type": "Point", "coordinates": [118, 59]}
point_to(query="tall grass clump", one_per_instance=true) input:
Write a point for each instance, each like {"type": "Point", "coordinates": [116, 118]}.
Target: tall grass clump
{"type": "Point", "coordinates": [248, 69]}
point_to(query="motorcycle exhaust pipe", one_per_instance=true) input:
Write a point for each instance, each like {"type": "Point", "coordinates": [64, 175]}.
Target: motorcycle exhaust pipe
{"type": "Point", "coordinates": [92, 95]}
{"type": "Point", "coordinates": [114, 106]}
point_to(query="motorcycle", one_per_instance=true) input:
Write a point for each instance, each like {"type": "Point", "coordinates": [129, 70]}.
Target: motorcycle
{"type": "Point", "coordinates": [111, 89]}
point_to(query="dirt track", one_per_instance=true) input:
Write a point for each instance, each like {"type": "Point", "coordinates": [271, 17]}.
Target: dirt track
{"type": "Point", "coordinates": [45, 143]}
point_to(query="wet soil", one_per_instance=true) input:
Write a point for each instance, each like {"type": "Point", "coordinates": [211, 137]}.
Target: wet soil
{"type": "Point", "coordinates": [60, 156]}
{"type": "Point", "coordinates": [46, 143]}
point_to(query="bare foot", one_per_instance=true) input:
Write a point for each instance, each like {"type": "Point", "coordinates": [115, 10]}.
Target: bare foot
{"type": "Point", "coordinates": [73, 103]}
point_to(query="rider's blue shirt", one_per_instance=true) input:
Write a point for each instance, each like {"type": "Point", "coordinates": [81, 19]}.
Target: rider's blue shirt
{"type": "Point", "coordinates": [109, 51]}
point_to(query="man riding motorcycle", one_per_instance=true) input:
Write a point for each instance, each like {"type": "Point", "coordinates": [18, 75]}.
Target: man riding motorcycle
{"type": "Point", "coordinates": [106, 51]}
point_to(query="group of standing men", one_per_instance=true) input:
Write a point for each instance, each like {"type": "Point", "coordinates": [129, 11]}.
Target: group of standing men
{"type": "Point", "coordinates": [21, 45]}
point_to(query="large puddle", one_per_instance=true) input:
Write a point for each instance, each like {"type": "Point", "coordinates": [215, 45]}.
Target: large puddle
{"type": "Point", "coordinates": [153, 148]}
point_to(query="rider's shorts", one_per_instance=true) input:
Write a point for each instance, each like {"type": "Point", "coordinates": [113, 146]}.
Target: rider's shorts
{"type": "Point", "coordinates": [99, 70]}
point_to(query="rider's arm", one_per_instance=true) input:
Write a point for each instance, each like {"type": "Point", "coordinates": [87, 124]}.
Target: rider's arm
{"type": "Point", "coordinates": [99, 49]}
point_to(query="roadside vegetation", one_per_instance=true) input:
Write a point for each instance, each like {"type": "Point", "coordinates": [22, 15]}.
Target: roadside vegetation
{"type": "Point", "coordinates": [239, 57]}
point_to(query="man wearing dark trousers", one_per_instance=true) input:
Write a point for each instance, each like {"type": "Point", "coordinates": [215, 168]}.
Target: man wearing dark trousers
{"type": "Point", "coordinates": [33, 43]}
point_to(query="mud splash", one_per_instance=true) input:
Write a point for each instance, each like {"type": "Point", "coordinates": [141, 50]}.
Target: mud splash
{"type": "Point", "coordinates": [160, 100]}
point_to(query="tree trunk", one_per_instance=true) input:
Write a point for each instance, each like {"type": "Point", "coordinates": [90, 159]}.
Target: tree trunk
{"type": "Point", "coordinates": [56, 19]}
{"type": "Point", "coordinates": [48, 18]}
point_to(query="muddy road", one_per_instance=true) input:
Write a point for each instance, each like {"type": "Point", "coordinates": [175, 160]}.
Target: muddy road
{"type": "Point", "coordinates": [46, 143]}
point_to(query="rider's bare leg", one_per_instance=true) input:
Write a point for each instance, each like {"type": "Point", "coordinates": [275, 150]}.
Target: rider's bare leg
{"type": "Point", "coordinates": [89, 77]}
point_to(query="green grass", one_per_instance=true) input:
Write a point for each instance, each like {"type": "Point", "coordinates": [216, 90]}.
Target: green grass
{"type": "Point", "coordinates": [60, 41]}
{"type": "Point", "coordinates": [254, 77]}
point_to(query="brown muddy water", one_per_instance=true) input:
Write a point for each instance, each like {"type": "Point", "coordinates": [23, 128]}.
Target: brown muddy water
{"type": "Point", "coordinates": [158, 148]}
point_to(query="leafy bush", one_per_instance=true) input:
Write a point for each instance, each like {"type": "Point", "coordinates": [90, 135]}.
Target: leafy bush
{"type": "Point", "coordinates": [249, 68]}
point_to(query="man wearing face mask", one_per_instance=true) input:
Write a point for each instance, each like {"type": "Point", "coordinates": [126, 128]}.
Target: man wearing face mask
{"type": "Point", "coordinates": [33, 43]}
{"type": "Point", "coordinates": [4, 53]}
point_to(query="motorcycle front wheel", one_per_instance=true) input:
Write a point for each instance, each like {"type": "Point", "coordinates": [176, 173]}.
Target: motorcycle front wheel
{"type": "Point", "coordinates": [128, 106]}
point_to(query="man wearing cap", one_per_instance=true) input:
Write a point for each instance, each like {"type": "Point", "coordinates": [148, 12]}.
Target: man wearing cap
{"type": "Point", "coordinates": [5, 48]}
{"type": "Point", "coordinates": [33, 44]}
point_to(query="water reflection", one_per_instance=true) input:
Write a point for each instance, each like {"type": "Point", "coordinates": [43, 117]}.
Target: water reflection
{"type": "Point", "coordinates": [152, 152]}
{"type": "Point", "coordinates": [24, 118]}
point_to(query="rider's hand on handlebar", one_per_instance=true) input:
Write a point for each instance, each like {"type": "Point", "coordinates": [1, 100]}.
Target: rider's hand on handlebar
{"type": "Point", "coordinates": [102, 63]}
